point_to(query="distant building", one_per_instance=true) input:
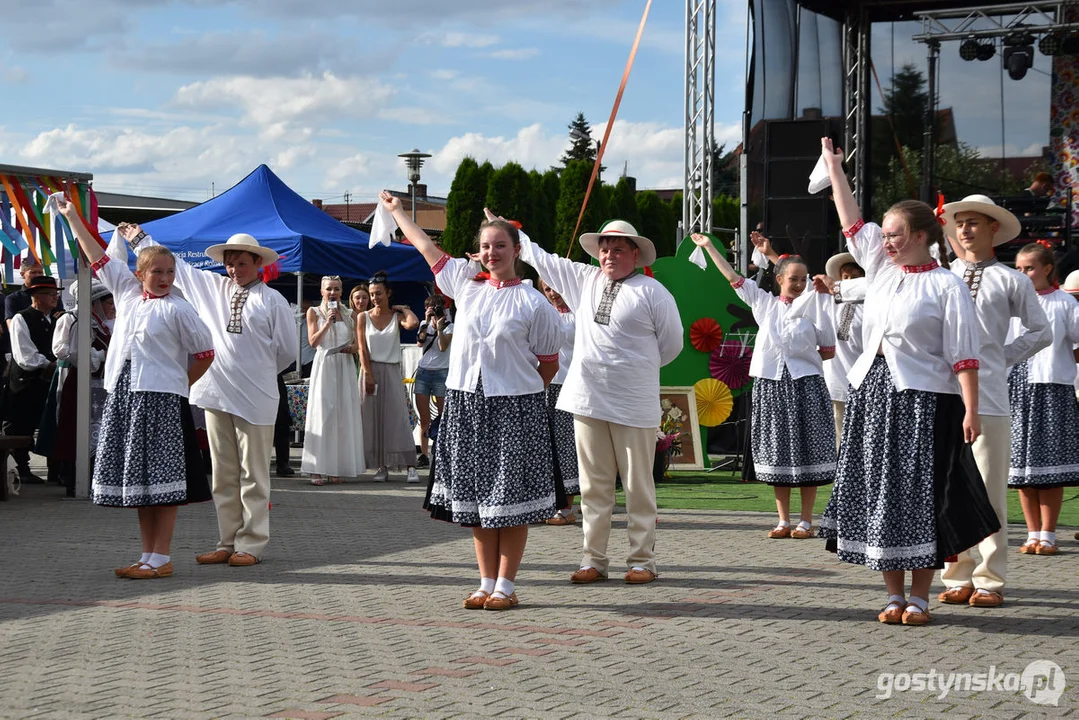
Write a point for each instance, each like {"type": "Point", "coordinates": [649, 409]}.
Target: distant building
{"type": "Point", "coordinates": [118, 207]}
{"type": "Point", "coordinates": [430, 210]}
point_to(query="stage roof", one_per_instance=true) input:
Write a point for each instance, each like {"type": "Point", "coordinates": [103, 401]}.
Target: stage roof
{"type": "Point", "coordinates": [887, 10]}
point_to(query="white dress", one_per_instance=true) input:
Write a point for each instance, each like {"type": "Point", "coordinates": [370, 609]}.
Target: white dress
{"type": "Point", "coordinates": [333, 431]}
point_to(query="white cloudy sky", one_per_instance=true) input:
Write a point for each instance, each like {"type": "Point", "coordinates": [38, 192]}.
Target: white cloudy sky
{"type": "Point", "coordinates": [171, 98]}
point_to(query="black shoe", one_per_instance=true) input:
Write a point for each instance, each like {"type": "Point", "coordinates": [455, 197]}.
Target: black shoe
{"type": "Point", "coordinates": [285, 470]}
{"type": "Point", "coordinates": [422, 462]}
{"type": "Point", "coordinates": [29, 478]}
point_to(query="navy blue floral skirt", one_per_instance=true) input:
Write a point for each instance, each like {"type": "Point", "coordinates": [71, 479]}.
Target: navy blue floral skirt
{"type": "Point", "coordinates": [793, 431]}
{"type": "Point", "coordinates": [1045, 432]}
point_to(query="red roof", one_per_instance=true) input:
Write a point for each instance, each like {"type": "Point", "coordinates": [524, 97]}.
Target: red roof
{"type": "Point", "coordinates": [352, 212]}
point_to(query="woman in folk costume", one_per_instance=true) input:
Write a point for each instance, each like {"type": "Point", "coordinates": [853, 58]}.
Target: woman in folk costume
{"type": "Point", "coordinates": [792, 430]}
{"type": "Point", "coordinates": [847, 320]}
{"type": "Point", "coordinates": [907, 494]}
{"type": "Point", "coordinates": [493, 466]}
{"type": "Point", "coordinates": [333, 431]}
{"type": "Point", "coordinates": [148, 455]}
{"type": "Point", "coordinates": [565, 442]}
{"type": "Point", "coordinates": [56, 436]}
{"type": "Point", "coordinates": [1045, 414]}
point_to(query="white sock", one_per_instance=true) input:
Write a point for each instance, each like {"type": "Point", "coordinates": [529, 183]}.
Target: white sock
{"type": "Point", "coordinates": [487, 585]}
{"type": "Point", "coordinates": [504, 586]}
{"type": "Point", "coordinates": [784, 523]}
{"type": "Point", "coordinates": [157, 560]}
{"type": "Point", "coordinates": [897, 600]}
{"type": "Point", "coordinates": [1049, 537]}
{"type": "Point", "coordinates": [1032, 536]}
{"type": "Point", "coordinates": [145, 558]}
{"type": "Point", "coordinates": [805, 524]}
{"type": "Point", "coordinates": [920, 603]}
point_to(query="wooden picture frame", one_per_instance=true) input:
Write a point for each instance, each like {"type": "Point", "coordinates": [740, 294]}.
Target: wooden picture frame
{"type": "Point", "coordinates": [684, 398]}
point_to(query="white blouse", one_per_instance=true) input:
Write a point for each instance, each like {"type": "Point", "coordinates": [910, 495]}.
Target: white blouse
{"type": "Point", "coordinates": [614, 375]}
{"type": "Point", "coordinates": [789, 334]}
{"type": "Point", "coordinates": [847, 351]}
{"type": "Point", "coordinates": [1056, 363]}
{"type": "Point", "coordinates": [65, 343]}
{"type": "Point", "coordinates": [1003, 294]}
{"type": "Point", "coordinates": [157, 334]}
{"type": "Point", "coordinates": [500, 330]}
{"type": "Point", "coordinates": [243, 378]}
{"type": "Point", "coordinates": [921, 319]}
{"type": "Point", "coordinates": [565, 353]}
{"type": "Point", "coordinates": [384, 346]}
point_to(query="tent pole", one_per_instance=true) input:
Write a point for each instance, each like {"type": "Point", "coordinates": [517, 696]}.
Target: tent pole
{"type": "Point", "coordinates": [301, 328]}
{"type": "Point", "coordinates": [82, 371]}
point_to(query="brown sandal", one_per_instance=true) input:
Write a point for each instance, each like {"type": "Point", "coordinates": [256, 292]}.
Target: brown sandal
{"type": "Point", "coordinates": [892, 614]}
{"type": "Point", "coordinates": [500, 602]}
{"type": "Point", "coordinates": [476, 600]}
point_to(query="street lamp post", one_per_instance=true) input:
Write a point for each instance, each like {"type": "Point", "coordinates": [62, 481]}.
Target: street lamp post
{"type": "Point", "coordinates": [414, 161]}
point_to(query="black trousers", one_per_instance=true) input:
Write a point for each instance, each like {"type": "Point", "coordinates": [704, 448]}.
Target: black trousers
{"type": "Point", "coordinates": [282, 424]}
{"type": "Point", "coordinates": [23, 415]}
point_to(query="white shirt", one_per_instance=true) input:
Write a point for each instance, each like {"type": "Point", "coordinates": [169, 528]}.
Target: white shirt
{"type": "Point", "coordinates": [921, 318]}
{"type": "Point", "coordinates": [383, 346]}
{"type": "Point", "coordinates": [23, 350]}
{"type": "Point", "coordinates": [436, 358]}
{"type": "Point", "coordinates": [243, 378]}
{"type": "Point", "coordinates": [65, 343]}
{"type": "Point", "coordinates": [1004, 294]}
{"type": "Point", "coordinates": [614, 375]}
{"type": "Point", "coordinates": [156, 334]}
{"type": "Point", "coordinates": [847, 351]}
{"type": "Point", "coordinates": [501, 329]}
{"type": "Point", "coordinates": [1056, 363]}
{"type": "Point", "coordinates": [565, 353]}
{"type": "Point", "coordinates": [789, 333]}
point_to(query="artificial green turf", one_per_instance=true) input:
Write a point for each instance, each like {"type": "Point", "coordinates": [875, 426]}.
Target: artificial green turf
{"type": "Point", "coordinates": [720, 490]}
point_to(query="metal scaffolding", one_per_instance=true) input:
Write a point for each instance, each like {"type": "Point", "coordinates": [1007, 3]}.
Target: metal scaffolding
{"type": "Point", "coordinates": [856, 102]}
{"type": "Point", "coordinates": [699, 119]}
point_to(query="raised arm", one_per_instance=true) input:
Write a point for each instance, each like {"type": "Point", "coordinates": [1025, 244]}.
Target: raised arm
{"type": "Point", "coordinates": [845, 204]}
{"type": "Point", "coordinates": [431, 252]}
{"type": "Point", "coordinates": [705, 242]}
{"type": "Point", "coordinates": [87, 243]}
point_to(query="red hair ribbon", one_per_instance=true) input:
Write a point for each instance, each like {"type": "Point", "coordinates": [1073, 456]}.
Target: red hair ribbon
{"type": "Point", "coordinates": [940, 209]}
{"type": "Point", "coordinates": [515, 224]}
{"type": "Point", "coordinates": [1045, 244]}
{"type": "Point", "coordinates": [784, 256]}
{"type": "Point", "coordinates": [482, 276]}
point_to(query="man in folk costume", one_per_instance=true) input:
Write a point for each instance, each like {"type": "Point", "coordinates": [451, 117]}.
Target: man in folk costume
{"type": "Point", "coordinates": [254, 338]}
{"type": "Point", "coordinates": [32, 366]}
{"type": "Point", "coordinates": [974, 226]}
{"type": "Point", "coordinates": [627, 328]}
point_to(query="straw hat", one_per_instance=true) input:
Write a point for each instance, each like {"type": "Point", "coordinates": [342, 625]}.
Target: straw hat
{"type": "Point", "coordinates": [1071, 283]}
{"type": "Point", "coordinates": [244, 243]}
{"type": "Point", "coordinates": [615, 229]}
{"type": "Point", "coordinates": [1009, 224]}
{"type": "Point", "coordinates": [835, 264]}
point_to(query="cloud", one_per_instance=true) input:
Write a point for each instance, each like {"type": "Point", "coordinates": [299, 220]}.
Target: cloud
{"type": "Point", "coordinates": [518, 54]}
{"type": "Point", "coordinates": [280, 102]}
{"type": "Point", "coordinates": [346, 172]}
{"type": "Point", "coordinates": [1011, 150]}
{"type": "Point", "coordinates": [460, 39]}
{"type": "Point", "coordinates": [531, 147]}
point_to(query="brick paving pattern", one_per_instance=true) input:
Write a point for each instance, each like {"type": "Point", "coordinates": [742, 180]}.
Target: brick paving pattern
{"type": "Point", "coordinates": [356, 612]}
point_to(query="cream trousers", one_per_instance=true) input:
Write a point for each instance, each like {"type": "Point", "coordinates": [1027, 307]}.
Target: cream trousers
{"type": "Point", "coordinates": [241, 481]}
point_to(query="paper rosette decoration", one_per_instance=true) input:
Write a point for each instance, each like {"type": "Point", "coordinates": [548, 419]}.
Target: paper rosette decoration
{"type": "Point", "coordinates": [730, 363]}
{"type": "Point", "coordinates": [714, 401]}
{"type": "Point", "coordinates": [705, 334]}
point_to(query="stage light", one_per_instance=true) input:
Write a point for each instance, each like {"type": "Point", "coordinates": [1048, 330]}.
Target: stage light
{"type": "Point", "coordinates": [1050, 44]}
{"type": "Point", "coordinates": [987, 51]}
{"type": "Point", "coordinates": [969, 50]}
{"type": "Point", "coordinates": [1018, 60]}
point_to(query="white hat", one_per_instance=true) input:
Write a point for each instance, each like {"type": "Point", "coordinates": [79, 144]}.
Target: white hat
{"type": "Point", "coordinates": [244, 243]}
{"type": "Point", "coordinates": [1071, 283]}
{"type": "Point", "coordinates": [616, 229]}
{"type": "Point", "coordinates": [835, 264]}
{"type": "Point", "coordinates": [1009, 224]}
{"type": "Point", "coordinates": [97, 290]}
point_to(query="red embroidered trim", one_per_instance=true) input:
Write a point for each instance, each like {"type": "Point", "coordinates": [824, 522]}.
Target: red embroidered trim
{"type": "Point", "coordinates": [827, 348]}
{"type": "Point", "coordinates": [100, 263]}
{"type": "Point", "coordinates": [563, 312]}
{"type": "Point", "coordinates": [966, 365]}
{"type": "Point", "coordinates": [440, 264]}
{"type": "Point", "coordinates": [1048, 291]}
{"type": "Point", "coordinates": [499, 284]}
{"type": "Point", "coordinates": [151, 296]}
{"type": "Point", "coordinates": [853, 229]}
{"type": "Point", "coordinates": [786, 300]}
{"type": "Point", "coordinates": [738, 283]}
{"type": "Point", "coordinates": [931, 265]}
{"type": "Point", "coordinates": [547, 358]}
{"type": "Point", "coordinates": [204, 354]}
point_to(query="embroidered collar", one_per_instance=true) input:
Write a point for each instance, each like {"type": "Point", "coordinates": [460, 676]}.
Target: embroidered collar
{"type": "Point", "coordinates": [251, 284]}
{"type": "Point", "coordinates": [563, 311]}
{"type": "Point", "coordinates": [786, 300]}
{"type": "Point", "coordinates": [499, 284]}
{"type": "Point", "coordinates": [981, 265]}
{"type": "Point", "coordinates": [1047, 291]}
{"type": "Point", "coordinates": [151, 296]}
{"type": "Point", "coordinates": [931, 265]}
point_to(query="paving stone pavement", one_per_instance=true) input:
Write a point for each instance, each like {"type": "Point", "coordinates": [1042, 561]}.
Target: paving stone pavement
{"type": "Point", "coordinates": [356, 612]}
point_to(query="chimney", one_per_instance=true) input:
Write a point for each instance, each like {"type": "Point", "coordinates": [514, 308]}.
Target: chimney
{"type": "Point", "coordinates": [421, 191]}
{"type": "Point", "coordinates": [317, 203]}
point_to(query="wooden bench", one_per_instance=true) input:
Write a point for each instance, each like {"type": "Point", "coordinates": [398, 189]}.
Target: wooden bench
{"type": "Point", "coordinates": [7, 444]}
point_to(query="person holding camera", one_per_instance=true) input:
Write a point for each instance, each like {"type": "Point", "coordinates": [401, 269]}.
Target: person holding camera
{"type": "Point", "coordinates": [333, 431]}
{"type": "Point", "coordinates": [434, 337]}
{"type": "Point", "coordinates": [387, 433]}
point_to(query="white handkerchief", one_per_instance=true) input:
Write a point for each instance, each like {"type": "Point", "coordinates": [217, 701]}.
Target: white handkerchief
{"type": "Point", "coordinates": [818, 179]}
{"type": "Point", "coordinates": [382, 227]}
{"type": "Point", "coordinates": [52, 205]}
{"type": "Point", "coordinates": [760, 259]}
{"type": "Point", "coordinates": [697, 258]}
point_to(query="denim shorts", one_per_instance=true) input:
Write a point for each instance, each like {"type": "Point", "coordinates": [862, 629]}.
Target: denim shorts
{"type": "Point", "coordinates": [430, 382]}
